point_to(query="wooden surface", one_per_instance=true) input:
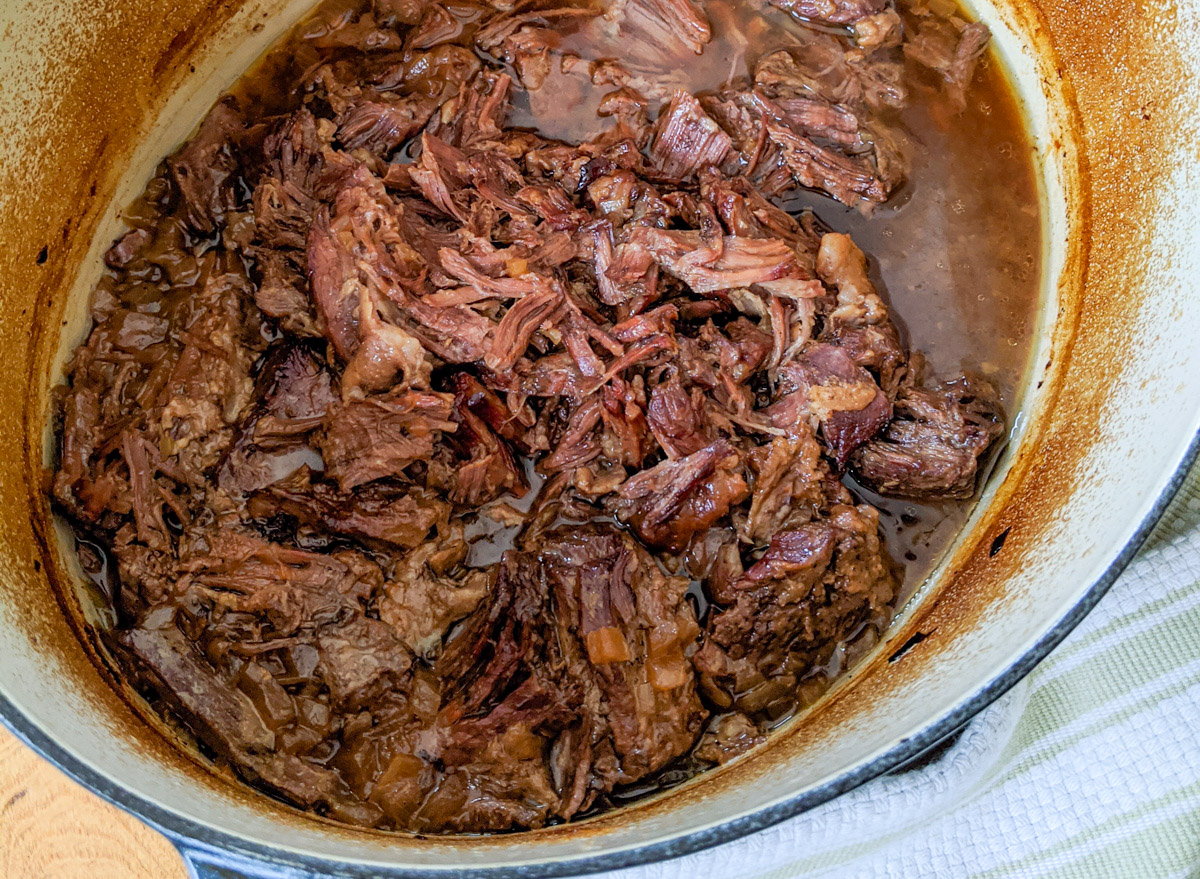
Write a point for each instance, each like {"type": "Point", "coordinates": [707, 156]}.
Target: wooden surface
{"type": "Point", "coordinates": [51, 828]}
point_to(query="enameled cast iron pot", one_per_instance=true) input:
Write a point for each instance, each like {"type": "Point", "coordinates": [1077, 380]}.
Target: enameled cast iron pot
{"type": "Point", "coordinates": [93, 93]}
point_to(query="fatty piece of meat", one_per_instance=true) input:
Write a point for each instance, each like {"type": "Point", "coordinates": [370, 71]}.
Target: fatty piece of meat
{"type": "Point", "coordinates": [932, 449]}
{"type": "Point", "coordinates": [825, 384]}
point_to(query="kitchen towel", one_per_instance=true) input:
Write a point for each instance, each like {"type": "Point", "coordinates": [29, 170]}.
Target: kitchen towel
{"type": "Point", "coordinates": [1089, 768]}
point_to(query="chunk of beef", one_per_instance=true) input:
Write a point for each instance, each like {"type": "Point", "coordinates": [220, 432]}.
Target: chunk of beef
{"type": "Point", "coordinates": [529, 40]}
{"type": "Point", "coordinates": [283, 213]}
{"type": "Point", "coordinates": [727, 262]}
{"type": "Point", "coordinates": [678, 418]}
{"type": "Point", "coordinates": [843, 266]}
{"type": "Point", "coordinates": [635, 626]}
{"type": "Point", "coordinates": [790, 485]}
{"type": "Point", "coordinates": [372, 514]}
{"type": "Point", "coordinates": [226, 719]}
{"type": "Point", "coordinates": [813, 588]}
{"type": "Point", "coordinates": [424, 598]}
{"type": "Point", "coordinates": [282, 294]}
{"type": "Point", "coordinates": [379, 436]}
{"type": "Point", "coordinates": [203, 170]}
{"type": "Point", "coordinates": [826, 386]}
{"type": "Point", "coordinates": [832, 11]}
{"type": "Point", "coordinates": [934, 446]}
{"type": "Point", "coordinates": [383, 124]}
{"type": "Point", "coordinates": [850, 179]}
{"type": "Point", "coordinates": [686, 140]}
{"type": "Point", "coordinates": [490, 469]}
{"type": "Point", "coordinates": [295, 391]}
{"type": "Point", "coordinates": [668, 503]}
{"type": "Point", "coordinates": [355, 261]}
{"type": "Point", "coordinates": [605, 676]}
{"type": "Point", "coordinates": [727, 737]}
{"type": "Point", "coordinates": [949, 50]}
{"type": "Point", "coordinates": [209, 385]}
{"type": "Point", "coordinates": [668, 25]}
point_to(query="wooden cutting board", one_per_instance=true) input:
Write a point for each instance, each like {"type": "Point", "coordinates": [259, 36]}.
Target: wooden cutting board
{"type": "Point", "coordinates": [51, 828]}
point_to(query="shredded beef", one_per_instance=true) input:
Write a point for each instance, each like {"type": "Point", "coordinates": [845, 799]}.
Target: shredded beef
{"type": "Point", "coordinates": [457, 477]}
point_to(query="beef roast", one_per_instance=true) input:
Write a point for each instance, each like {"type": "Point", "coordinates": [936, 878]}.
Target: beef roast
{"type": "Point", "coordinates": [459, 457]}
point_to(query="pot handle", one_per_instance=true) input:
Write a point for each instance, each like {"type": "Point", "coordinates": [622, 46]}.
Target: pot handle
{"type": "Point", "coordinates": [206, 863]}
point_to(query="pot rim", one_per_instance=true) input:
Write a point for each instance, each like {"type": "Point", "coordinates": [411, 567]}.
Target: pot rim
{"type": "Point", "coordinates": [193, 838]}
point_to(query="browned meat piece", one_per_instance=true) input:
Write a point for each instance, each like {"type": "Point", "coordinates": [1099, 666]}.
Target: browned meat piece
{"type": "Point", "coordinates": [814, 586]}
{"type": "Point", "coordinates": [282, 293]}
{"type": "Point", "coordinates": [226, 719]}
{"type": "Point", "coordinates": [490, 469]}
{"type": "Point", "coordinates": [381, 435]}
{"type": "Point", "coordinates": [671, 26]}
{"type": "Point", "coordinates": [351, 294]}
{"type": "Point", "coordinates": [204, 168]}
{"type": "Point", "coordinates": [296, 391]}
{"type": "Point", "coordinates": [686, 140]}
{"type": "Point", "coordinates": [208, 386]}
{"type": "Point", "coordinates": [529, 40]}
{"type": "Point", "coordinates": [933, 447]}
{"type": "Point", "coordinates": [832, 11]}
{"type": "Point", "coordinates": [826, 386]}
{"type": "Point", "coordinates": [372, 514]}
{"type": "Point", "coordinates": [424, 598]}
{"type": "Point", "coordinates": [790, 485]}
{"type": "Point", "coordinates": [283, 213]}
{"type": "Point", "coordinates": [876, 348]}
{"type": "Point", "coordinates": [381, 125]}
{"type": "Point", "coordinates": [635, 626]}
{"type": "Point", "coordinates": [859, 323]}
{"type": "Point", "coordinates": [821, 65]}
{"type": "Point", "coordinates": [707, 267]}
{"type": "Point", "coordinates": [606, 678]}
{"type": "Point", "coordinates": [671, 501]}
{"type": "Point", "coordinates": [849, 179]}
{"type": "Point", "coordinates": [950, 51]}
{"type": "Point", "coordinates": [678, 418]}
{"type": "Point", "coordinates": [127, 248]}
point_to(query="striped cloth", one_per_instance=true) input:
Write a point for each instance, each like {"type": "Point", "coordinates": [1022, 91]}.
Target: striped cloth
{"type": "Point", "coordinates": [1088, 768]}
